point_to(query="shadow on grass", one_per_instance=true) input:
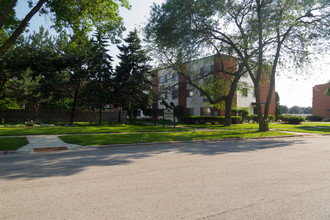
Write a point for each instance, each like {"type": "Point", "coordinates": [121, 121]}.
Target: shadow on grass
{"type": "Point", "coordinates": [32, 166]}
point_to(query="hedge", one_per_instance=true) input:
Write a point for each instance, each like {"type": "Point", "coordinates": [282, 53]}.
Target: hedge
{"type": "Point", "coordinates": [291, 119]}
{"type": "Point", "coordinates": [209, 119]}
{"type": "Point", "coordinates": [255, 117]}
{"type": "Point", "coordinates": [314, 118]}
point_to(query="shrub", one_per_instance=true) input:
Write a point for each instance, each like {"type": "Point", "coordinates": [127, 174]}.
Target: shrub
{"type": "Point", "coordinates": [293, 119]}
{"type": "Point", "coordinates": [271, 118]}
{"type": "Point", "coordinates": [243, 112]}
{"type": "Point", "coordinates": [255, 118]}
{"type": "Point", "coordinates": [236, 119]}
{"type": "Point", "coordinates": [314, 118]}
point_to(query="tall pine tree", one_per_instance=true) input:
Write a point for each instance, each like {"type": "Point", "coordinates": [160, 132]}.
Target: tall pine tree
{"type": "Point", "coordinates": [99, 88]}
{"type": "Point", "coordinates": [133, 84]}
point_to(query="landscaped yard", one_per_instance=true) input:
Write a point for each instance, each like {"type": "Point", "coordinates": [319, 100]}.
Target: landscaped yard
{"type": "Point", "coordinates": [153, 133]}
{"type": "Point", "coordinates": [12, 143]}
{"type": "Point", "coordinates": [8, 131]}
{"type": "Point", "coordinates": [108, 139]}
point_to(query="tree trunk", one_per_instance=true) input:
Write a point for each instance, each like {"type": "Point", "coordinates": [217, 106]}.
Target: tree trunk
{"type": "Point", "coordinates": [263, 124]}
{"type": "Point", "coordinates": [131, 116]}
{"type": "Point", "coordinates": [11, 40]}
{"type": "Point", "coordinates": [119, 115]}
{"type": "Point", "coordinates": [228, 103]}
{"type": "Point", "coordinates": [74, 106]}
{"type": "Point", "coordinates": [100, 116]}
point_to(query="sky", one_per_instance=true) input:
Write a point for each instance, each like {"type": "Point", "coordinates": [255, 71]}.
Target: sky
{"type": "Point", "coordinates": [293, 89]}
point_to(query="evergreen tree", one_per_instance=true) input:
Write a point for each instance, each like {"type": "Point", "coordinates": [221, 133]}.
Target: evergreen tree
{"type": "Point", "coordinates": [98, 90]}
{"type": "Point", "coordinates": [133, 82]}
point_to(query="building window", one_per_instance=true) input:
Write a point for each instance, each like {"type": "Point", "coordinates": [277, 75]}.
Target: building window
{"type": "Point", "coordinates": [190, 93]}
{"type": "Point", "coordinates": [244, 92]}
{"type": "Point", "coordinates": [190, 111]}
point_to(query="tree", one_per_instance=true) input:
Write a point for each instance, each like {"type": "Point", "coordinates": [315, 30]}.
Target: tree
{"type": "Point", "coordinates": [327, 92]}
{"type": "Point", "coordinates": [132, 76]}
{"type": "Point", "coordinates": [256, 32]}
{"type": "Point", "coordinates": [296, 110]}
{"type": "Point", "coordinates": [284, 109]}
{"type": "Point", "coordinates": [36, 67]}
{"type": "Point", "coordinates": [99, 88]}
{"type": "Point", "coordinates": [278, 110]}
{"type": "Point", "coordinates": [82, 15]}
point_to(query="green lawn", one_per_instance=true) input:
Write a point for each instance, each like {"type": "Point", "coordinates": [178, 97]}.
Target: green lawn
{"type": "Point", "coordinates": [305, 127]}
{"type": "Point", "coordinates": [12, 143]}
{"type": "Point", "coordinates": [7, 131]}
{"type": "Point", "coordinates": [108, 139]}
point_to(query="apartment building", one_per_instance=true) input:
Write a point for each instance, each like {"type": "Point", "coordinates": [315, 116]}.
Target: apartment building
{"type": "Point", "coordinates": [173, 87]}
{"type": "Point", "coordinates": [321, 102]}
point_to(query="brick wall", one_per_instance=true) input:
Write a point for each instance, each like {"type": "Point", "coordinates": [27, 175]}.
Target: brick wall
{"type": "Point", "coordinates": [321, 102]}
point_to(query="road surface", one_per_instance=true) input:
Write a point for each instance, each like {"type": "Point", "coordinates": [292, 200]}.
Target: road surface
{"type": "Point", "coordinates": [280, 178]}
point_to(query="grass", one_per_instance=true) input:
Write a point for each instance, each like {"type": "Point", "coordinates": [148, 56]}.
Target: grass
{"type": "Point", "coordinates": [12, 143]}
{"type": "Point", "coordinates": [305, 127]}
{"type": "Point", "coordinates": [108, 139]}
{"type": "Point", "coordinates": [9, 131]}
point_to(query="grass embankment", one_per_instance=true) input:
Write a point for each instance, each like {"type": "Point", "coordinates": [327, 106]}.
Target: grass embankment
{"type": "Point", "coordinates": [12, 143]}
{"type": "Point", "coordinates": [8, 131]}
{"type": "Point", "coordinates": [108, 139]}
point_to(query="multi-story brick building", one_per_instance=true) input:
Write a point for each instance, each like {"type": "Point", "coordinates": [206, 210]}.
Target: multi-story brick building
{"type": "Point", "coordinates": [173, 87]}
{"type": "Point", "coordinates": [321, 102]}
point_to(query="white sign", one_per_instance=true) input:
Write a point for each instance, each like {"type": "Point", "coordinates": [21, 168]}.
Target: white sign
{"type": "Point", "coordinates": [168, 113]}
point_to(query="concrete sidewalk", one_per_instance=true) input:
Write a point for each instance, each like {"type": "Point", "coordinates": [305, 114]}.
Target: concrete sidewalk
{"type": "Point", "coordinates": [45, 141]}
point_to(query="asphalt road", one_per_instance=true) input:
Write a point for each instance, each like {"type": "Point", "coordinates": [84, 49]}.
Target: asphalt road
{"type": "Point", "coordinates": [286, 178]}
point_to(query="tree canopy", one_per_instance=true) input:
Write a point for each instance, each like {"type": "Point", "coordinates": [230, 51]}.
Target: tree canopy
{"type": "Point", "coordinates": [255, 32]}
{"type": "Point", "coordinates": [74, 15]}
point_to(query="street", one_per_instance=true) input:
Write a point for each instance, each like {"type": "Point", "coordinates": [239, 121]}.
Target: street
{"type": "Point", "coordinates": [273, 178]}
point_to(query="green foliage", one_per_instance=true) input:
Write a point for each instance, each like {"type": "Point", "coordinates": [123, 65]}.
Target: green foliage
{"type": "Point", "coordinates": [292, 119]}
{"type": "Point", "coordinates": [8, 103]}
{"type": "Point", "coordinates": [284, 109]}
{"type": "Point", "coordinates": [254, 117]}
{"type": "Point", "coordinates": [327, 92]}
{"type": "Point", "coordinates": [83, 15]}
{"type": "Point", "coordinates": [132, 76]}
{"type": "Point", "coordinates": [314, 118]}
{"type": "Point", "coordinates": [40, 73]}
{"type": "Point", "coordinates": [98, 89]}
{"type": "Point", "coordinates": [247, 30]}
{"type": "Point", "coordinates": [209, 119]}
{"type": "Point", "coordinates": [243, 112]}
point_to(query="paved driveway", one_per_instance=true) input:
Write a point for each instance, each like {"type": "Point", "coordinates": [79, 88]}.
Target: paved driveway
{"type": "Point", "coordinates": [287, 178]}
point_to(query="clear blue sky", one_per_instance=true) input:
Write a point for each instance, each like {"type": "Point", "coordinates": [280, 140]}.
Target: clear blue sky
{"type": "Point", "coordinates": [293, 90]}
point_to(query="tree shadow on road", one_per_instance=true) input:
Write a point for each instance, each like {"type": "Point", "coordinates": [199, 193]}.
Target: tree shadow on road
{"type": "Point", "coordinates": [33, 166]}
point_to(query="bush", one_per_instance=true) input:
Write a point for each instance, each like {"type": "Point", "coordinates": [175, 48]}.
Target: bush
{"type": "Point", "coordinates": [255, 118]}
{"type": "Point", "coordinates": [197, 120]}
{"type": "Point", "coordinates": [292, 119]}
{"type": "Point", "coordinates": [314, 118]}
{"type": "Point", "coordinates": [271, 118]}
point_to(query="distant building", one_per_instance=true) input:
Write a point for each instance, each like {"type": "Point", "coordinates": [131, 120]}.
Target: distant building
{"type": "Point", "coordinates": [321, 102]}
{"type": "Point", "coordinates": [192, 102]}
